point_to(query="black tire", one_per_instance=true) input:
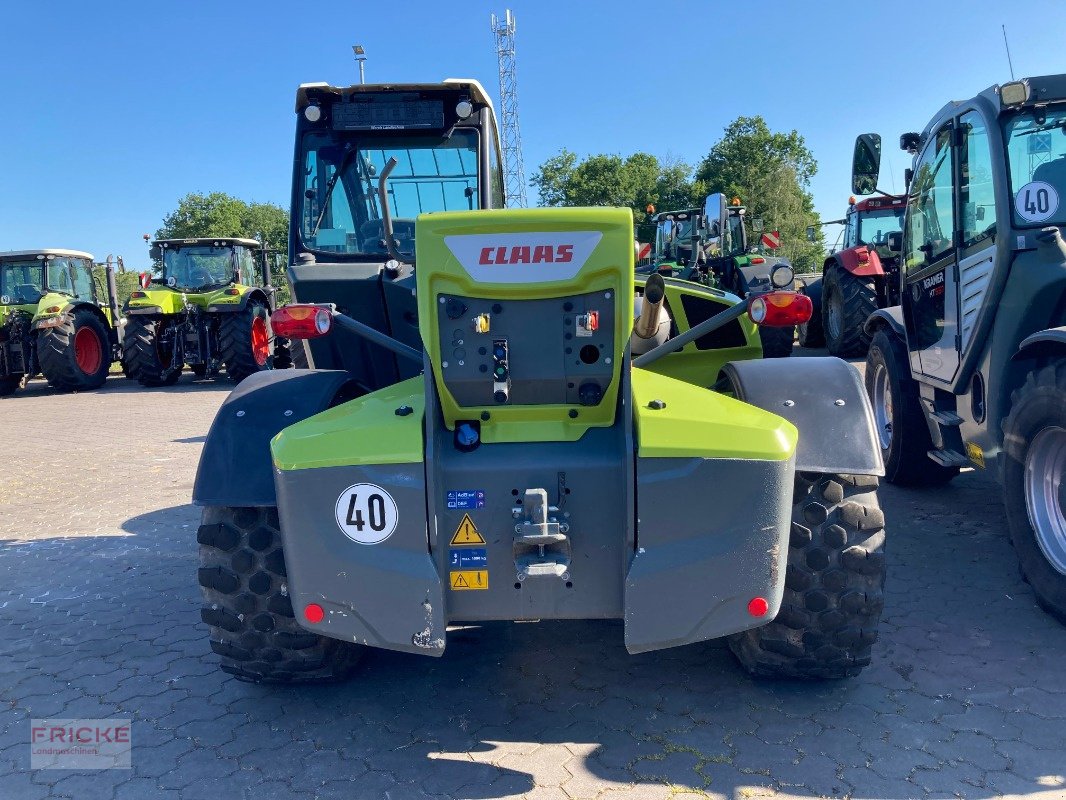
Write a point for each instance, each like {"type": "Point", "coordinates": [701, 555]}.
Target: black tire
{"type": "Point", "coordinates": [906, 454]}
{"type": "Point", "coordinates": [283, 353]}
{"type": "Point", "coordinates": [834, 584]}
{"type": "Point", "coordinates": [298, 353]}
{"type": "Point", "coordinates": [811, 333]}
{"type": "Point", "coordinates": [777, 342]}
{"type": "Point", "coordinates": [10, 385]}
{"type": "Point", "coordinates": [854, 299]}
{"type": "Point", "coordinates": [235, 342]}
{"type": "Point", "coordinates": [146, 361]}
{"type": "Point", "coordinates": [1038, 405]}
{"type": "Point", "coordinates": [75, 355]}
{"type": "Point", "coordinates": [247, 608]}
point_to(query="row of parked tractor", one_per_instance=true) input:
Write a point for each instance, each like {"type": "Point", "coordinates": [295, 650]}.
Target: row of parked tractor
{"type": "Point", "coordinates": [206, 306]}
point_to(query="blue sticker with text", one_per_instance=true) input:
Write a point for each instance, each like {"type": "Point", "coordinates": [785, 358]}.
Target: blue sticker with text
{"type": "Point", "coordinates": [472, 558]}
{"type": "Point", "coordinates": [466, 498]}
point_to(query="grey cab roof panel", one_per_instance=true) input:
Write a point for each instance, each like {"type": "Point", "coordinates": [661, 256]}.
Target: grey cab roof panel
{"type": "Point", "coordinates": [44, 251]}
{"type": "Point", "coordinates": [210, 240]}
{"type": "Point", "coordinates": [477, 91]}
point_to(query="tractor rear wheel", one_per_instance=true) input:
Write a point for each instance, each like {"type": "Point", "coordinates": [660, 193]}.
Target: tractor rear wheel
{"type": "Point", "coordinates": [834, 584]}
{"type": "Point", "coordinates": [1034, 463]}
{"type": "Point", "coordinates": [777, 342]}
{"type": "Point", "coordinates": [246, 342]}
{"type": "Point", "coordinates": [847, 302]}
{"type": "Point", "coordinates": [76, 354]}
{"type": "Point", "coordinates": [147, 361]}
{"type": "Point", "coordinates": [810, 333]}
{"type": "Point", "coordinates": [247, 607]}
{"type": "Point", "coordinates": [898, 416]}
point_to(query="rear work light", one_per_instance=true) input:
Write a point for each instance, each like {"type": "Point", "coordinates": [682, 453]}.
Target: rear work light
{"type": "Point", "coordinates": [780, 309]}
{"type": "Point", "coordinates": [301, 321]}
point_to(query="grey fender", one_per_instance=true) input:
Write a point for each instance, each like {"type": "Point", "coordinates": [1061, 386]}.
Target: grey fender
{"type": "Point", "coordinates": [891, 317]}
{"type": "Point", "coordinates": [825, 399]}
{"type": "Point", "coordinates": [1049, 341]}
{"type": "Point", "coordinates": [236, 468]}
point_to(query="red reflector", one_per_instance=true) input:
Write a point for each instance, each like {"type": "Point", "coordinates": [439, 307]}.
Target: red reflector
{"type": "Point", "coordinates": [233, 292]}
{"type": "Point", "coordinates": [758, 606]}
{"type": "Point", "coordinates": [301, 321]}
{"type": "Point", "coordinates": [137, 295]}
{"type": "Point", "coordinates": [53, 310]}
{"type": "Point", "coordinates": [780, 309]}
{"type": "Point", "coordinates": [758, 260]}
{"type": "Point", "coordinates": [314, 613]}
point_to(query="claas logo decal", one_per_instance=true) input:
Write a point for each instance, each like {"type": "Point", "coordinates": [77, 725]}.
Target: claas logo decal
{"type": "Point", "coordinates": [525, 254]}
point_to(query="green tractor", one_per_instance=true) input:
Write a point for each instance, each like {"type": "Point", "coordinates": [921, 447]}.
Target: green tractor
{"type": "Point", "coordinates": [208, 307]}
{"type": "Point", "coordinates": [709, 245]}
{"type": "Point", "coordinates": [502, 433]}
{"type": "Point", "coordinates": [54, 321]}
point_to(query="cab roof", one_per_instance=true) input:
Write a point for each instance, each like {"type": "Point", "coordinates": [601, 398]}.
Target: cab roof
{"type": "Point", "coordinates": [879, 203]}
{"type": "Point", "coordinates": [45, 251]}
{"type": "Point", "coordinates": [219, 241]}
{"type": "Point", "coordinates": [477, 91]}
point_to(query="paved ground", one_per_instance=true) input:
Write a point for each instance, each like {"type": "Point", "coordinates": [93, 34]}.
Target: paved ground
{"type": "Point", "coordinates": [99, 618]}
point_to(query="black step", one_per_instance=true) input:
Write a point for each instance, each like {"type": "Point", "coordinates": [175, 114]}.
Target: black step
{"type": "Point", "coordinates": [949, 458]}
{"type": "Point", "coordinates": [949, 418]}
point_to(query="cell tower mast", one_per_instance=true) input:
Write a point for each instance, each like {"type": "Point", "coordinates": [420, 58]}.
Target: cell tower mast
{"type": "Point", "coordinates": [510, 134]}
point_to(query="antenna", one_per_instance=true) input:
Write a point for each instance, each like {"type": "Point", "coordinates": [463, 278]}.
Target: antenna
{"type": "Point", "coordinates": [1006, 44]}
{"type": "Point", "coordinates": [510, 134]}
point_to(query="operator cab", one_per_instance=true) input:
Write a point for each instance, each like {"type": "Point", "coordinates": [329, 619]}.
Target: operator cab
{"type": "Point", "coordinates": [28, 275]}
{"type": "Point", "coordinates": [198, 265]}
{"type": "Point", "coordinates": [369, 160]}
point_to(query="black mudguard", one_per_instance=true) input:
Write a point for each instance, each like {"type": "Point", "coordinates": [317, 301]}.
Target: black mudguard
{"type": "Point", "coordinates": [811, 285]}
{"type": "Point", "coordinates": [1049, 341]}
{"type": "Point", "coordinates": [891, 317]}
{"type": "Point", "coordinates": [236, 467]}
{"type": "Point", "coordinates": [825, 399]}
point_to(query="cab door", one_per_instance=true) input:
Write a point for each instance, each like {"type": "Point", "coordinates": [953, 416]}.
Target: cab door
{"type": "Point", "coordinates": [930, 290]}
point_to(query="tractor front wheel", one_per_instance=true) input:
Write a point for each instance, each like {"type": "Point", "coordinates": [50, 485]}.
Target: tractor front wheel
{"type": "Point", "coordinates": [247, 608]}
{"type": "Point", "coordinates": [246, 341]}
{"type": "Point", "coordinates": [1034, 465]}
{"type": "Point", "coordinates": [834, 584]}
{"type": "Point", "coordinates": [847, 302]}
{"type": "Point", "coordinates": [148, 362]}
{"type": "Point", "coordinates": [76, 354]}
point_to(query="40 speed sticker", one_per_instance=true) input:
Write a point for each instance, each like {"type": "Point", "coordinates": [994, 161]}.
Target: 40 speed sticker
{"type": "Point", "coordinates": [1036, 201]}
{"type": "Point", "coordinates": [366, 513]}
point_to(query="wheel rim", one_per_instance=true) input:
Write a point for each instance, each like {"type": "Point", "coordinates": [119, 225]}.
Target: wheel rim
{"type": "Point", "coordinates": [260, 341]}
{"type": "Point", "coordinates": [87, 351]}
{"type": "Point", "coordinates": [1045, 494]}
{"type": "Point", "coordinates": [882, 403]}
{"type": "Point", "coordinates": [835, 322]}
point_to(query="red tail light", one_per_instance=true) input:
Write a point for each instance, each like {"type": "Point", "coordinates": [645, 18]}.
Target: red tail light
{"type": "Point", "coordinates": [301, 322]}
{"type": "Point", "coordinates": [758, 260]}
{"type": "Point", "coordinates": [780, 309]}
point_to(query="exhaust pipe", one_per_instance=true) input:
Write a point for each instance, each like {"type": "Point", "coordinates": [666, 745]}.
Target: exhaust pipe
{"type": "Point", "coordinates": [647, 324]}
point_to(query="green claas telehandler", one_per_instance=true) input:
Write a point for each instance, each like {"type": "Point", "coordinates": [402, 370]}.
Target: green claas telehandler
{"type": "Point", "coordinates": [54, 320]}
{"type": "Point", "coordinates": [208, 307]}
{"type": "Point", "coordinates": [527, 460]}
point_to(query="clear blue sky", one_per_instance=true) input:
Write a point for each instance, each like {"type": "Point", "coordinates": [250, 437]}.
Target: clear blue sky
{"type": "Point", "coordinates": [115, 110]}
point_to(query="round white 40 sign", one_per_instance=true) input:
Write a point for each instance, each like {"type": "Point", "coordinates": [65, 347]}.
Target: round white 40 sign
{"type": "Point", "coordinates": [1036, 201]}
{"type": "Point", "coordinates": [366, 513]}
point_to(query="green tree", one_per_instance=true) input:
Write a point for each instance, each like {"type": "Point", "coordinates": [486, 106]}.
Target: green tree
{"type": "Point", "coordinates": [771, 173]}
{"type": "Point", "coordinates": [633, 182]}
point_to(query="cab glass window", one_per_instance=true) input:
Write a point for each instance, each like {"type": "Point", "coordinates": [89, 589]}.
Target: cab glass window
{"type": "Point", "coordinates": [21, 281]}
{"type": "Point", "coordinates": [1036, 150]}
{"type": "Point", "coordinates": [977, 199]}
{"type": "Point", "coordinates": [931, 216]}
{"type": "Point", "coordinates": [71, 276]}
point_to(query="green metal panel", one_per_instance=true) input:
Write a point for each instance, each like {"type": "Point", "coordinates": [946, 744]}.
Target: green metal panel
{"type": "Point", "coordinates": [697, 422]}
{"type": "Point", "coordinates": [364, 431]}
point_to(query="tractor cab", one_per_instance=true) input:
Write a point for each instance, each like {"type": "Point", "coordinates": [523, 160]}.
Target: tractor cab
{"type": "Point", "coordinates": [206, 264]}
{"type": "Point", "coordinates": [370, 159]}
{"type": "Point", "coordinates": [28, 276]}
{"type": "Point", "coordinates": [871, 222]}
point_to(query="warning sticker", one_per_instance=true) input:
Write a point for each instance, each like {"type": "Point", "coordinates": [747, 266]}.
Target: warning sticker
{"type": "Point", "coordinates": [975, 454]}
{"type": "Point", "coordinates": [467, 533]}
{"type": "Point", "coordinates": [469, 580]}
{"type": "Point", "coordinates": [469, 558]}
{"type": "Point", "coordinates": [1036, 201]}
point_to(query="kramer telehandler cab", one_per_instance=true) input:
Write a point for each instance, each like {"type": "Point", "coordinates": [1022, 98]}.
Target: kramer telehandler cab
{"type": "Point", "coordinates": [54, 321]}
{"type": "Point", "coordinates": [208, 307]}
{"type": "Point", "coordinates": [969, 370]}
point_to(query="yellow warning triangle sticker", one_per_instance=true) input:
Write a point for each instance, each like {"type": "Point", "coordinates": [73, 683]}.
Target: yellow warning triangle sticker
{"type": "Point", "coordinates": [467, 533]}
{"type": "Point", "coordinates": [460, 582]}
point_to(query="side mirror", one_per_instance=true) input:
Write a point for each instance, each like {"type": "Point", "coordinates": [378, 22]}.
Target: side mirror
{"type": "Point", "coordinates": [155, 252]}
{"type": "Point", "coordinates": [812, 234]}
{"type": "Point", "coordinates": [866, 163]}
{"type": "Point", "coordinates": [714, 213]}
{"type": "Point", "coordinates": [756, 224]}
{"type": "Point", "coordinates": [908, 175]}
{"type": "Point", "coordinates": [895, 241]}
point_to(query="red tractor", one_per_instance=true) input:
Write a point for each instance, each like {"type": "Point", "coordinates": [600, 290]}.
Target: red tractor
{"type": "Point", "coordinates": [857, 280]}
